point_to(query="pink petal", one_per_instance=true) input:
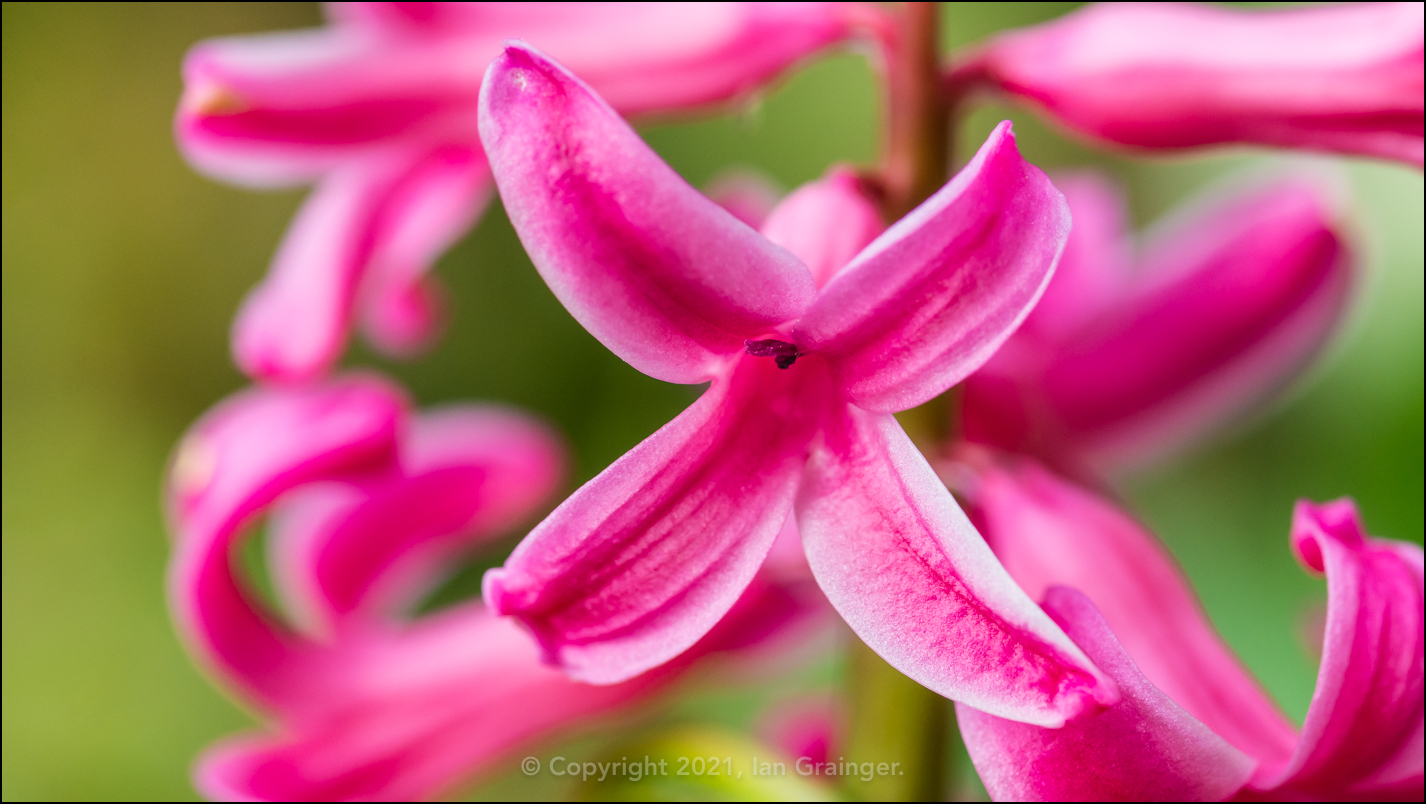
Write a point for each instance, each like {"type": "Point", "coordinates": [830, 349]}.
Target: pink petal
{"type": "Point", "coordinates": [284, 108]}
{"type": "Point", "coordinates": [657, 272]}
{"type": "Point", "coordinates": [641, 57]}
{"type": "Point", "coordinates": [409, 714]}
{"type": "Point", "coordinates": [379, 221]}
{"type": "Point", "coordinates": [1144, 749]}
{"type": "Point", "coordinates": [1231, 304]}
{"type": "Point", "coordinates": [1363, 733]}
{"type": "Point", "coordinates": [931, 299]}
{"type": "Point", "coordinates": [433, 207]}
{"type": "Point", "coordinates": [410, 19]}
{"type": "Point", "coordinates": [1001, 403]}
{"type": "Point", "coordinates": [232, 464]}
{"type": "Point", "coordinates": [907, 571]}
{"type": "Point", "coordinates": [414, 714]}
{"type": "Point", "coordinates": [642, 560]}
{"type": "Point", "coordinates": [1047, 532]}
{"type": "Point", "coordinates": [470, 473]}
{"type": "Point", "coordinates": [1175, 75]}
{"type": "Point", "coordinates": [825, 223]}
{"type": "Point", "coordinates": [661, 56]}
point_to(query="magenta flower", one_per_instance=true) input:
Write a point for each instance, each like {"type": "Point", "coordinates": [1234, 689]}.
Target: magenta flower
{"type": "Point", "coordinates": [1129, 355]}
{"type": "Point", "coordinates": [379, 109]}
{"type": "Point", "coordinates": [369, 507]}
{"type": "Point", "coordinates": [1193, 724]}
{"type": "Point", "coordinates": [1178, 75]}
{"type": "Point", "coordinates": [810, 345]}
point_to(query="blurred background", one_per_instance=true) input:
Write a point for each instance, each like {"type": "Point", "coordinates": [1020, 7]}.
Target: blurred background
{"type": "Point", "coordinates": [123, 268]}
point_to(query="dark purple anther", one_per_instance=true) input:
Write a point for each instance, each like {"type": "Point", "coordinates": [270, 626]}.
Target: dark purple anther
{"type": "Point", "coordinates": [785, 353]}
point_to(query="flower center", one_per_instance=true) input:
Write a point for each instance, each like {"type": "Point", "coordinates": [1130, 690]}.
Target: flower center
{"type": "Point", "coordinates": [784, 353]}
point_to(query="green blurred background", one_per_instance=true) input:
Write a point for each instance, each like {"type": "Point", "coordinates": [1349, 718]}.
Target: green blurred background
{"type": "Point", "coordinates": [122, 269]}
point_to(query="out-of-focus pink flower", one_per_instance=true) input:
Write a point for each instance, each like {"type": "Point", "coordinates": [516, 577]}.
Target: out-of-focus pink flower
{"type": "Point", "coordinates": [811, 336]}
{"type": "Point", "coordinates": [379, 108]}
{"type": "Point", "coordinates": [370, 506]}
{"type": "Point", "coordinates": [1193, 724]}
{"type": "Point", "coordinates": [1177, 75]}
{"type": "Point", "coordinates": [1130, 355]}
{"type": "Point", "coordinates": [749, 195]}
{"type": "Point", "coordinates": [808, 727]}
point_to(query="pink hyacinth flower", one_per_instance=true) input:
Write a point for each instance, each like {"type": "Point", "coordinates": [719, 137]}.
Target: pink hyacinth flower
{"type": "Point", "coordinates": [811, 337]}
{"type": "Point", "coordinates": [379, 110]}
{"type": "Point", "coordinates": [1346, 78]}
{"type": "Point", "coordinates": [1130, 355]}
{"type": "Point", "coordinates": [1193, 723]}
{"type": "Point", "coordinates": [370, 507]}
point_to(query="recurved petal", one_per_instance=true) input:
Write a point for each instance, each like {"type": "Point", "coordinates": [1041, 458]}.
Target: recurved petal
{"type": "Point", "coordinates": [470, 473]}
{"type": "Point", "coordinates": [656, 271]}
{"type": "Point", "coordinates": [1363, 734]}
{"type": "Point", "coordinates": [825, 223]}
{"type": "Point", "coordinates": [428, 211]}
{"type": "Point", "coordinates": [930, 300]}
{"type": "Point", "coordinates": [908, 572]}
{"type": "Point", "coordinates": [368, 232]}
{"type": "Point", "coordinates": [1047, 532]}
{"type": "Point", "coordinates": [411, 715]}
{"type": "Point", "coordinates": [1230, 304]}
{"type": "Point", "coordinates": [642, 560]}
{"type": "Point", "coordinates": [1173, 75]}
{"type": "Point", "coordinates": [1145, 748]}
{"type": "Point", "coordinates": [408, 714]}
{"type": "Point", "coordinates": [230, 466]}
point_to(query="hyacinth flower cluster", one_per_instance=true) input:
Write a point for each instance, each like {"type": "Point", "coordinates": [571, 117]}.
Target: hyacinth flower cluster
{"type": "Point", "coordinates": [1079, 660]}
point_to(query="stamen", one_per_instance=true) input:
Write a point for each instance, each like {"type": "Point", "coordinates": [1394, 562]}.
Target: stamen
{"type": "Point", "coordinates": [783, 353]}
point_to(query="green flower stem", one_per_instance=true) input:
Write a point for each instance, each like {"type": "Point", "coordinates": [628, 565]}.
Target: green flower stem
{"type": "Point", "coordinates": [890, 717]}
{"type": "Point", "coordinates": [894, 719]}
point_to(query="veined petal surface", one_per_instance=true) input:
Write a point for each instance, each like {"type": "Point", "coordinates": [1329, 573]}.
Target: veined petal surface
{"type": "Point", "coordinates": [909, 573]}
{"type": "Point", "coordinates": [932, 298]}
{"type": "Point", "coordinates": [1145, 748]}
{"type": "Point", "coordinates": [1048, 532]}
{"type": "Point", "coordinates": [645, 558]}
{"type": "Point", "coordinates": [660, 274]}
